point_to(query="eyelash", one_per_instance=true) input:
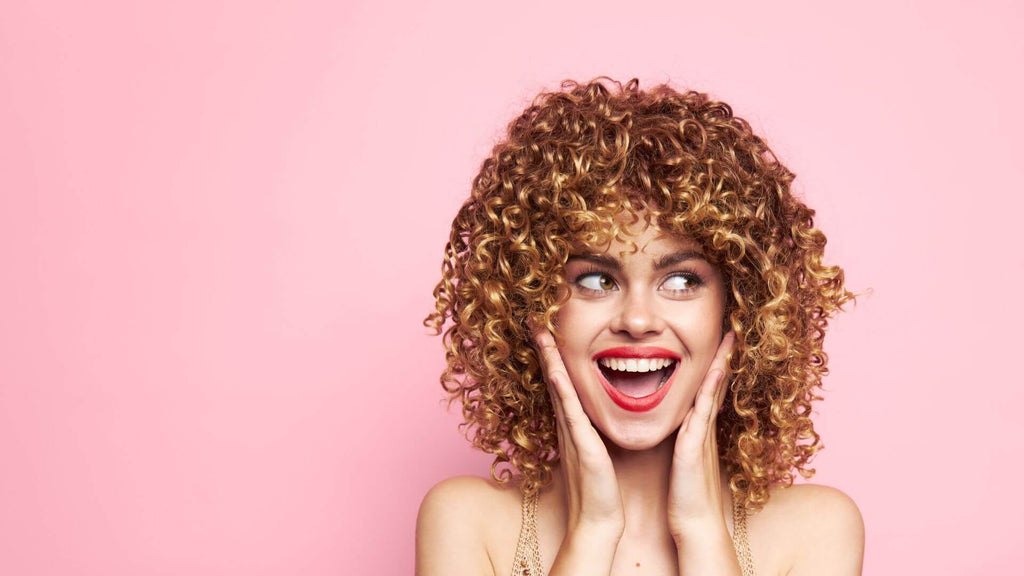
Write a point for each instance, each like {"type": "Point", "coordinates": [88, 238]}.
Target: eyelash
{"type": "Point", "coordinates": [690, 275]}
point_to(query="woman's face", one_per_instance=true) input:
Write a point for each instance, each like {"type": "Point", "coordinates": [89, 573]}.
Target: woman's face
{"type": "Point", "coordinates": [639, 333]}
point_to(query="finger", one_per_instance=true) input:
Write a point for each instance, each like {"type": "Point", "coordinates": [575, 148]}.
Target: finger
{"type": "Point", "coordinates": [724, 348]}
{"type": "Point", "coordinates": [723, 391]}
{"type": "Point", "coordinates": [702, 410]}
{"type": "Point", "coordinates": [549, 354]}
{"type": "Point", "coordinates": [551, 361]}
{"type": "Point", "coordinates": [718, 382]}
{"type": "Point", "coordinates": [580, 430]}
{"type": "Point", "coordinates": [559, 411]}
{"type": "Point", "coordinates": [562, 393]}
{"type": "Point", "coordinates": [686, 420]}
{"type": "Point", "coordinates": [714, 399]}
{"type": "Point", "coordinates": [710, 445]}
{"type": "Point", "coordinates": [564, 440]}
{"type": "Point", "coordinates": [556, 373]}
{"type": "Point", "coordinates": [543, 343]}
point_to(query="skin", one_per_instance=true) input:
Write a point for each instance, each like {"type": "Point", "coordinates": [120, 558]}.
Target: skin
{"type": "Point", "coordinates": [633, 478]}
{"type": "Point", "coordinates": [638, 493]}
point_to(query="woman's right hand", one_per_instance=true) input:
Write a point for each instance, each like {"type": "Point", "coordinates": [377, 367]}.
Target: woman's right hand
{"type": "Point", "coordinates": [592, 489]}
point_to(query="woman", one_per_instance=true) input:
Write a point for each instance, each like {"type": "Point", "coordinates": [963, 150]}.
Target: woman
{"type": "Point", "coordinates": [637, 306]}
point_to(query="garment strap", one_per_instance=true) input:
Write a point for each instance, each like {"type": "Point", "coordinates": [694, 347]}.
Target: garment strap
{"type": "Point", "coordinates": [739, 537]}
{"type": "Point", "coordinates": [527, 561]}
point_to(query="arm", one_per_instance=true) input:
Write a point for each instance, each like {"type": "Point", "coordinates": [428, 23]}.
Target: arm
{"type": "Point", "coordinates": [695, 495]}
{"type": "Point", "coordinates": [596, 518]}
{"type": "Point", "coordinates": [832, 534]}
{"type": "Point", "coordinates": [448, 535]}
{"type": "Point", "coordinates": [708, 551]}
{"type": "Point", "coordinates": [586, 552]}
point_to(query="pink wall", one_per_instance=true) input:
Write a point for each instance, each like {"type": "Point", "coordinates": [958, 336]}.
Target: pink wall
{"type": "Point", "coordinates": [220, 223]}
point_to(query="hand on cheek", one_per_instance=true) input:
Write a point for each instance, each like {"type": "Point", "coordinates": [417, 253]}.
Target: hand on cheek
{"type": "Point", "coordinates": [695, 499]}
{"type": "Point", "coordinates": [595, 503]}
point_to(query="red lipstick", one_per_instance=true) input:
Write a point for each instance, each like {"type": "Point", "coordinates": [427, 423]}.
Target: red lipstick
{"type": "Point", "coordinates": [644, 403]}
{"type": "Point", "coordinates": [637, 352]}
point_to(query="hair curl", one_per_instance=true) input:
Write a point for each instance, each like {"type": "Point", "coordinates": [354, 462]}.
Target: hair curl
{"type": "Point", "coordinates": [573, 161]}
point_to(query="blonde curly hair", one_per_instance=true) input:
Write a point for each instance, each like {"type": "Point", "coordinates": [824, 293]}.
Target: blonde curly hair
{"type": "Point", "coordinates": [571, 163]}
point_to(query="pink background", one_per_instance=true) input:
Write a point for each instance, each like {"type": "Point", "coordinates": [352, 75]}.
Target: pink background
{"type": "Point", "coordinates": [220, 224]}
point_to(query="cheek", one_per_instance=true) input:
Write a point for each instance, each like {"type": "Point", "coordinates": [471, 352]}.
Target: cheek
{"type": "Point", "coordinates": [700, 330]}
{"type": "Point", "coordinates": [573, 345]}
{"type": "Point", "coordinates": [578, 326]}
{"type": "Point", "coordinates": [577, 321]}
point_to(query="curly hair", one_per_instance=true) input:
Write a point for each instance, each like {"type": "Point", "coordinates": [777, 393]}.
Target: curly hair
{"type": "Point", "coordinates": [572, 162]}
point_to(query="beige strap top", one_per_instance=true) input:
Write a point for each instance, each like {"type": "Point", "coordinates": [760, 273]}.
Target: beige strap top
{"type": "Point", "coordinates": [527, 560]}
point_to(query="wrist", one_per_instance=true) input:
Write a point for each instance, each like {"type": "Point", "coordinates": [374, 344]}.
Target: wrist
{"type": "Point", "coordinates": [596, 534]}
{"type": "Point", "coordinates": [705, 532]}
{"type": "Point", "coordinates": [707, 551]}
{"type": "Point", "coordinates": [586, 549]}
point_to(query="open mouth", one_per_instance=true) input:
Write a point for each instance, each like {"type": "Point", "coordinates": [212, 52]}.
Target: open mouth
{"type": "Point", "coordinates": [637, 377]}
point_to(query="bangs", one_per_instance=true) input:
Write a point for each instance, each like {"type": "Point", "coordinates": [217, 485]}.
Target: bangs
{"type": "Point", "coordinates": [614, 214]}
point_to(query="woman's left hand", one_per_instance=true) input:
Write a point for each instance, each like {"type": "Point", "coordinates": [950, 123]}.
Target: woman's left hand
{"type": "Point", "coordinates": [695, 493]}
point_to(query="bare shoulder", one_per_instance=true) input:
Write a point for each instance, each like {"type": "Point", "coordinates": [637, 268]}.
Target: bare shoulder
{"type": "Point", "coordinates": [453, 524]}
{"type": "Point", "coordinates": [820, 527]}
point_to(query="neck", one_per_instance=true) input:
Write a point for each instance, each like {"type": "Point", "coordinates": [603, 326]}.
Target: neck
{"type": "Point", "coordinates": [643, 478]}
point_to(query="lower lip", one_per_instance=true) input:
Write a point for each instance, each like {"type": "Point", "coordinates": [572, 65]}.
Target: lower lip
{"type": "Point", "coordinates": [642, 404]}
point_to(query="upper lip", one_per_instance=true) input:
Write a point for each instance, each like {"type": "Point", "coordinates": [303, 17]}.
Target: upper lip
{"type": "Point", "coordinates": [637, 352]}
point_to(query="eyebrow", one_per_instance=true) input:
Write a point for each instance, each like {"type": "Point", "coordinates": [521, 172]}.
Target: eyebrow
{"type": "Point", "coordinates": [666, 261]}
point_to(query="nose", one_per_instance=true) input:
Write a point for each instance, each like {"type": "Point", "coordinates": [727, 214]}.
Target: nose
{"type": "Point", "coordinates": [637, 316]}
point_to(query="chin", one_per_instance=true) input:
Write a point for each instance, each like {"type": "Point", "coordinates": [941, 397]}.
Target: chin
{"type": "Point", "coordinates": [636, 437]}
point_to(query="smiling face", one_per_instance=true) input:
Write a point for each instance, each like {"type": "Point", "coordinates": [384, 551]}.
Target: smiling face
{"type": "Point", "coordinates": [639, 333]}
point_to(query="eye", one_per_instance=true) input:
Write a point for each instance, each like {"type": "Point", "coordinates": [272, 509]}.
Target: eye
{"type": "Point", "coordinates": [595, 282]}
{"type": "Point", "coordinates": [682, 282]}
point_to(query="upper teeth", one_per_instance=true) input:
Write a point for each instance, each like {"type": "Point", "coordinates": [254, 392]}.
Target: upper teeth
{"type": "Point", "coordinates": [635, 364]}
